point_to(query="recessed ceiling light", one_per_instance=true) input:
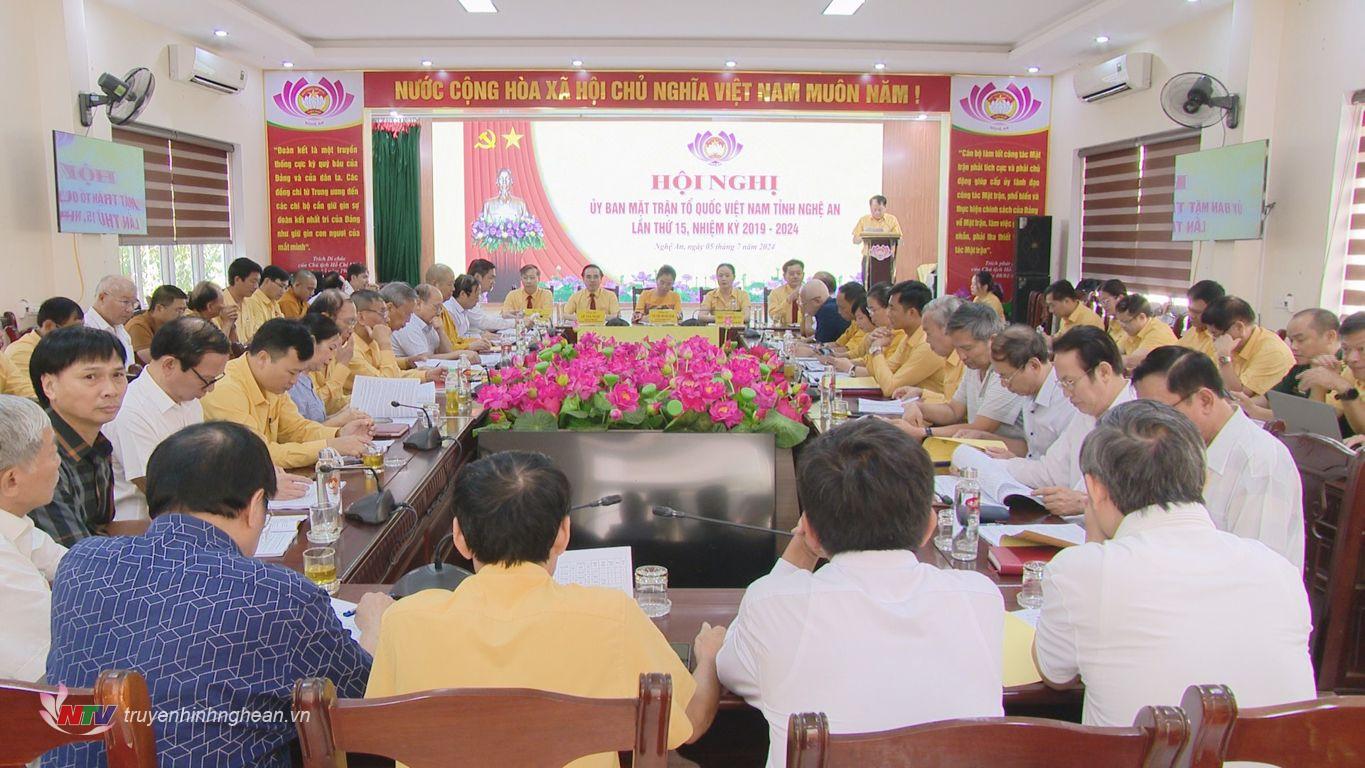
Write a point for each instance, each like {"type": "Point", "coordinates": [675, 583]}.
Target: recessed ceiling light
{"type": "Point", "coordinates": [287, 64]}
{"type": "Point", "coordinates": [922, 116]}
{"type": "Point", "coordinates": [730, 63]}
{"type": "Point", "coordinates": [879, 65]}
{"type": "Point", "coordinates": [843, 7]}
{"type": "Point", "coordinates": [578, 62]}
{"type": "Point", "coordinates": [220, 33]}
{"type": "Point", "coordinates": [426, 62]}
{"type": "Point", "coordinates": [1102, 39]}
{"type": "Point", "coordinates": [479, 6]}
{"type": "Point", "coordinates": [1033, 70]}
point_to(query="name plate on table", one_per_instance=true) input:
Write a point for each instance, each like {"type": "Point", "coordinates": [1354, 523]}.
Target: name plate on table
{"type": "Point", "coordinates": [726, 318]}
{"type": "Point", "coordinates": [592, 316]}
{"type": "Point", "coordinates": [663, 317]}
{"type": "Point", "coordinates": [545, 313]}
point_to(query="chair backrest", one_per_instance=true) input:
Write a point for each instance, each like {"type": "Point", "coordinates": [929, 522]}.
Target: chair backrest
{"type": "Point", "coordinates": [128, 739]}
{"type": "Point", "coordinates": [1327, 732]}
{"type": "Point", "coordinates": [484, 727]}
{"type": "Point", "coordinates": [1038, 313]}
{"type": "Point", "coordinates": [635, 292]}
{"type": "Point", "coordinates": [1153, 741]}
{"type": "Point", "coordinates": [1333, 480]}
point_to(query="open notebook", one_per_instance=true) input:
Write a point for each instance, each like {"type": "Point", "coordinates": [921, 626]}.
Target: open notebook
{"type": "Point", "coordinates": [998, 486]}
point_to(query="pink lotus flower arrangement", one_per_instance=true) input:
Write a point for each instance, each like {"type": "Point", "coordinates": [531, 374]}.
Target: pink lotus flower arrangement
{"type": "Point", "coordinates": [689, 386]}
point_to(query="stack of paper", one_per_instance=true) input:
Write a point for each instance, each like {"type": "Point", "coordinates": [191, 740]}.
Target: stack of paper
{"type": "Point", "coordinates": [881, 407]}
{"type": "Point", "coordinates": [343, 607]}
{"type": "Point", "coordinates": [997, 484]}
{"type": "Point", "coordinates": [303, 502]}
{"type": "Point", "coordinates": [279, 533]}
{"type": "Point", "coordinates": [858, 382]}
{"type": "Point", "coordinates": [1055, 535]}
{"type": "Point", "coordinates": [373, 395]}
{"type": "Point", "coordinates": [941, 449]}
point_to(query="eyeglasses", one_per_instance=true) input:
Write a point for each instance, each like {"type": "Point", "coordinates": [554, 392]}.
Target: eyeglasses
{"type": "Point", "coordinates": [207, 382]}
{"type": "Point", "coordinates": [1068, 384]}
{"type": "Point", "coordinates": [1006, 378]}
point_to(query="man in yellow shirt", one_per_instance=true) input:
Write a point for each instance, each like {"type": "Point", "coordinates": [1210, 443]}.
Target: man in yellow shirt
{"type": "Point", "coordinates": [784, 301]}
{"type": "Point", "coordinates": [1250, 358]}
{"type": "Point", "coordinates": [374, 342]}
{"type": "Point", "coordinates": [56, 312]}
{"type": "Point", "coordinates": [254, 393]}
{"type": "Point", "coordinates": [1342, 388]}
{"type": "Point", "coordinates": [244, 278]}
{"type": "Point", "coordinates": [912, 363]}
{"type": "Point", "coordinates": [510, 625]}
{"type": "Point", "coordinates": [264, 304]}
{"type": "Point", "coordinates": [443, 278]}
{"type": "Point", "coordinates": [935, 321]}
{"type": "Point", "coordinates": [592, 297]}
{"type": "Point", "coordinates": [167, 303]}
{"type": "Point", "coordinates": [1064, 302]}
{"type": "Point", "coordinates": [530, 296]}
{"type": "Point", "coordinates": [294, 301]}
{"type": "Point", "coordinates": [1197, 336]}
{"type": "Point", "coordinates": [661, 296]}
{"type": "Point", "coordinates": [845, 299]}
{"type": "Point", "coordinates": [1142, 332]}
{"type": "Point", "coordinates": [876, 222]}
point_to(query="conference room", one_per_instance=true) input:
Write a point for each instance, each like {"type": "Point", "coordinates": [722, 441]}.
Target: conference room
{"type": "Point", "coordinates": [807, 383]}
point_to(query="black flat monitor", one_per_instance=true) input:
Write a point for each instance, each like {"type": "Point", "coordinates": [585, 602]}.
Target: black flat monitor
{"type": "Point", "coordinates": [724, 476]}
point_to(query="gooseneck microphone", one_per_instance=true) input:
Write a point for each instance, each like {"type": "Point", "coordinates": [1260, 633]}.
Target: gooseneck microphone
{"type": "Point", "coordinates": [605, 501]}
{"type": "Point", "coordinates": [428, 439]}
{"type": "Point", "coordinates": [662, 511]}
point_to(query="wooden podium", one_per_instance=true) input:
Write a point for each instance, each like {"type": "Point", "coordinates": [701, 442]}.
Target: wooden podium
{"type": "Point", "coordinates": [879, 270]}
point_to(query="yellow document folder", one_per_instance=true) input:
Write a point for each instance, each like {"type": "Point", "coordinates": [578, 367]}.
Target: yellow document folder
{"type": "Point", "coordinates": [941, 448]}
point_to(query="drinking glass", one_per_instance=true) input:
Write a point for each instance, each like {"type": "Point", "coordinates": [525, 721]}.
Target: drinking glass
{"type": "Point", "coordinates": [1031, 595]}
{"type": "Point", "coordinates": [324, 522]}
{"type": "Point", "coordinates": [372, 456]}
{"type": "Point", "coordinates": [651, 590]}
{"type": "Point", "coordinates": [320, 567]}
{"type": "Point", "coordinates": [840, 413]}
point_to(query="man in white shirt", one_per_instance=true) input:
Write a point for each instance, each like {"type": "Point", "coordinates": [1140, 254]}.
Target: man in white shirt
{"type": "Point", "coordinates": [1160, 599]}
{"type": "Point", "coordinates": [981, 407]}
{"type": "Point", "coordinates": [464, 297]}
{"type": "Point", "coordinates": [1254, 489]}
{"type": "Point", "coordinates": [419, 339]}
{"type": "Point", "coordinates": [115, 301]}
{"type": "Point", "coordinates": [875, 639]}
{"type": "Point", "coordinates": [188, 356]}
{"type": "Point", "coordinates": [28, 556]}
{"type": "Point", "coordinates": [486, 273]}
{"type": "Point", "coordinates": [1019, 355]}
{"type": "Point", "coordinates": [1089, 369]}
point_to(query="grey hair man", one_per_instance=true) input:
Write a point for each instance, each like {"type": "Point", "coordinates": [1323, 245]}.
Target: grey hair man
{"type": "Point", "coordinates": [1204, 591]}
{"type": "Point", "coordinates": [115, 302]}
{"type": "Point", "coordinates": [981, 407]}
{"type": "Point", "coordinates": [28, 556]}
{"type": "Point", "coordinates": [1019, 355]}
{"type": "Point", "coordinates": [420, 339]}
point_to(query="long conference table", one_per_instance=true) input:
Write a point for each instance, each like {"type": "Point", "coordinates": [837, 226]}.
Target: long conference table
{"type": "Point", "coordinates": [372, 557]}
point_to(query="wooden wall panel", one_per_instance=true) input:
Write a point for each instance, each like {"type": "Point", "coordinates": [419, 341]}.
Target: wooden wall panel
{"type": "Point", "coordinates": [910, 175]}
{"type": "Point", "coordinates": [427, 192]}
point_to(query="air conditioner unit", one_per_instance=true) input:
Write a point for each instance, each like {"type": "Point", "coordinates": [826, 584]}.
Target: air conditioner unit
{"type": "Point", "coordinates": [1121, 74]}
{"type": "Point", "coordinates": [191, 64]}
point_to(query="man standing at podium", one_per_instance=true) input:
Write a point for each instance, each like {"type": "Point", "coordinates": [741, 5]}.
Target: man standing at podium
{"type": "Point", "coordinates": [877, 222]}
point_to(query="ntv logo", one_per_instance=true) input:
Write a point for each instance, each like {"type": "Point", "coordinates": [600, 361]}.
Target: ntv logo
{"type": "Point", "coordinates": [93, 718]}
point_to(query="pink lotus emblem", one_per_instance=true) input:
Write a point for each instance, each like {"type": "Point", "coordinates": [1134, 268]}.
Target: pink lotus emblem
{"type": "Point", "coordinates": [313, 101]}
{"type": "Point", "coordinates": [992, 105]}
{"type": "Point", "coordinates": [714, 149]}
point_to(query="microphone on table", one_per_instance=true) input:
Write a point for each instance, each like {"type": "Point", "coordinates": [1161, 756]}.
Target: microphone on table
{"type": "Point", "coordinates": [605, 501]}
{"type": "Point", "coordinates": [661, 511]}
{"type": "Point", "coordinates": [436, 575]}
{"type": "Point", "coordinates": [428, 439]}
{"type": "Point", "coordinates": [375, 508]}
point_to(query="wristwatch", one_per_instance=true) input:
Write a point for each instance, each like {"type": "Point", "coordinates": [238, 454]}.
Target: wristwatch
{"type": "Point", "coordinates": [928, 431]}
{"type": "Point", "coordinates": [1351, 394]}
{"type": "Point", "coordinates": [1225, 359]}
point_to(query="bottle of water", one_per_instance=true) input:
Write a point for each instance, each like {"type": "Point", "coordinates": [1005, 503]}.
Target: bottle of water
{"type": "Point", "coordinates": [967, 507]}
{"type": "Point", "coordinates": [943, 532]}
{"type": "Point", "coordinates": [452, 382]}
{"type": "Point", "coordinates": [787, 341]}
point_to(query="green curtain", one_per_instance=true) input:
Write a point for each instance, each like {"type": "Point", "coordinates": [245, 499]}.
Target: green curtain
{"type": "Point", "coordinates": [397, 203]}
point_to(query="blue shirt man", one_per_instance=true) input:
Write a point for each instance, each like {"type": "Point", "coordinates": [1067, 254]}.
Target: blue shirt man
{"type": "Point", "coordinates": [829, 324]}
{"type": "Point", "coordinates": [220, 637]}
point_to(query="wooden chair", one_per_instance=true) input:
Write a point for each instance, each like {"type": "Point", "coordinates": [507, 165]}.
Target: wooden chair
{"type": "Point", "coordinates": [1333, 480]}
{"type": "Point", "coordinates": [1328, 732]}
{"type": "Point", "coordinates": [485, 727]}
{"type": "Point", "coordinates": [1153, 741]}
{"type": "Point", "coordinates": [1038, 313]}
{"type": "Point", "coordinates": [128, 744]}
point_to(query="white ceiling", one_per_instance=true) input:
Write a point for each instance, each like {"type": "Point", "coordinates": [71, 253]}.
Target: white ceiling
{"type": "Point", "coordinates": [968, 36]}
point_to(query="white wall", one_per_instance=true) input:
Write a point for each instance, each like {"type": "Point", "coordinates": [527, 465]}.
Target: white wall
{"type": "Point", "coordinates": [1295, 63]}
{"type": "Point", "coordinates": [56, 48]}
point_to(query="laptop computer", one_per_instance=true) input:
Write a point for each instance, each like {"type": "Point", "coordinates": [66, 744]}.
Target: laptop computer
{"type": "Point", "coordinates": [1300, 414]}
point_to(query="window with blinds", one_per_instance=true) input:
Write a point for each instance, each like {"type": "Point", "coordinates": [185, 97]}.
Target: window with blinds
{"type": "Point", "coordinates": [1127, 202]}
{"type": "Point", "coordinates": [188, 189]}
{"type": "Point", "coordinates": [1353, 202]}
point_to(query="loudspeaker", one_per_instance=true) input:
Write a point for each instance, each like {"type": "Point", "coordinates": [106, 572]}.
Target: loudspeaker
{"type": "Point", "coordinates": [1026, 286]}
{"type": "Point", "coordinates": [1033, 245]}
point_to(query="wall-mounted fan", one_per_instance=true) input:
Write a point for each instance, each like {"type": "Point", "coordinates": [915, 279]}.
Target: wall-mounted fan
{"type": "Point", "coordinates": [1197, 100]}
{"type": "Point", "coordinates": [125, 99]}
